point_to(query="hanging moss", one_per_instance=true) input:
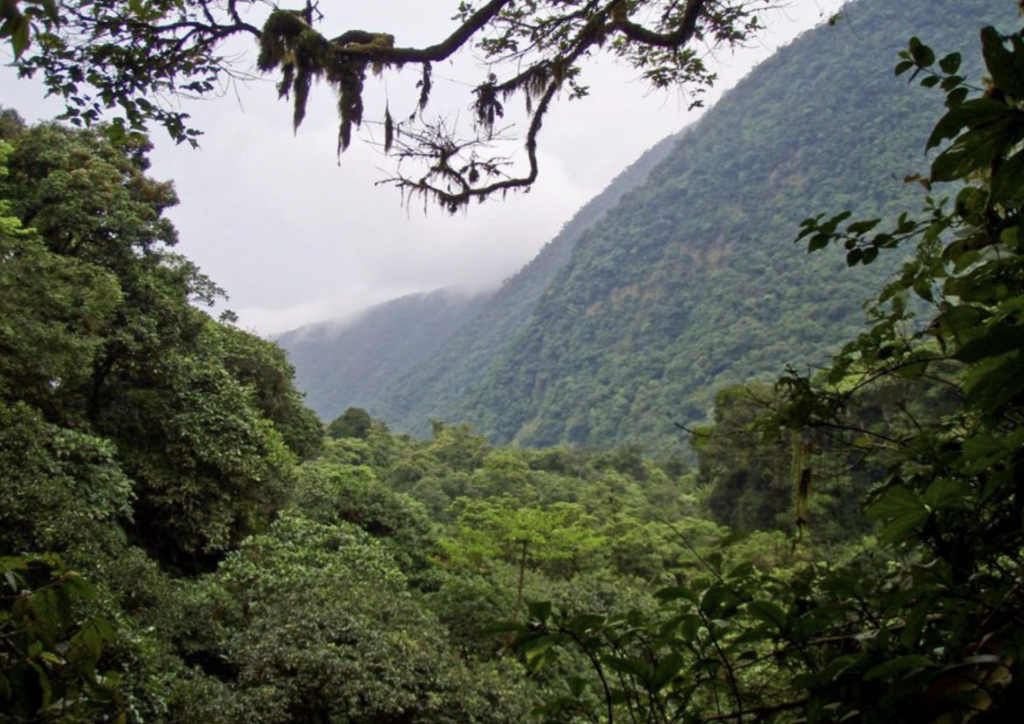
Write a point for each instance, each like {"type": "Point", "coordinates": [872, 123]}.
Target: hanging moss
{"type": "Point", "coordinates": [350, 101]}
{"type": "Point", "coordinates": [302, 54]}
{"type": "Point", "coordinates": [281, 27]}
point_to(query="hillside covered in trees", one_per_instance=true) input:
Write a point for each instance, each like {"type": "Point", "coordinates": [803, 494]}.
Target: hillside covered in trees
{"type": "Point", "coordinates": [689, 281]}
{"type": "Point", "coordinates": [348, 364]}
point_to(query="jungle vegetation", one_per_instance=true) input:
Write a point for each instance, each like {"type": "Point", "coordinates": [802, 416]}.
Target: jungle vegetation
{"type": "Point", "coordinates": [181, 540]}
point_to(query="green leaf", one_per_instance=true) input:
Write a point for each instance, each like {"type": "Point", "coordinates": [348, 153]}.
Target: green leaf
{"type": "Point", "coordinates": [839, 666]}
{"type": "Point", "coordinates": [539, 611]}
{"type": "Point", "coordinates": [630, 666]}
{"type": "Point", "coordinates": [20, 39]}
{"type": "Point", "coordinates": [950, 64]}
{"type": "Point", "coordinates": [993, 382]}
{"type": "Point", "coordinates": [903, 66]}
{"type": "Point", "coordinates": [902, 511]}
{"type": "Point", "coordinates": [862, 227]}
{"type": "Point", "coordinates": [817, 243]}
{"type": "Point", "coordinates": [667, 669]}
{"type": "Point", "coordinates": [994, 341]}
{"type": "Point", "coordinates": [584, 622]}
{"type": "Point", "coordinates": [914, 624]}
{"type": "Point", "coordinates": [770, 613]}
{"type": "Point", "coordinates": [712, 599]}
{"type": "Point", "coordinates": [674, 593]}
{"type": "Point", "coordinates": [945, 493]}
{"type": "Point", "coordinates": [921, 53]}
{"type": "Point", "coordinates": [577, 686]}
{"type": "Point", "coordinates": [981, 452]}
{"type": "Point", "coordinates": [1002, 65]}
{"type": "Point", "coordinates": [978, 112]}
{"type": "Point", "coordinates": [1006, 183]}
{"type": "Point", "coordinates": [897, 665]}
{"type": "Point", "coordinates": [503, 627]}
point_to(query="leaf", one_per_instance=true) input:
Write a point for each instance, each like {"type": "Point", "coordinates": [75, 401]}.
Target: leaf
{"type": "Point", "coordinates": [984, 451]}
{"type": "Point", "coordinates": [901, 510]}
{"type": "Point", "coordinates": [862, 227]}
{"type": "Point", "coordinates": [993, 382]}
{"type": "Point", "coordinates": [914, 624]}
{"type": "Point", "coordinates": [978, 147]}
{"type": "Point", "coordinates": [1002, 65]}
{"type": "Point", "coordinates": [1006, 185]}
{"type": "Point", "coordinates": [978, 112]}
{"type": "Point", "coordinates": [20, 39]}
{"type": "Point", "coordinates": [712, 599]}
{"type": "Point", "coordinates": [817, 243]}
{"type": "Point", "coordinates": [950, 64]}
{"type": "Point", "coordinates": [630, 666]}
{"type": "Point", "coordinates": [995, 340]}
{"type": "Point", "coordinates": [503, 627]}
{"type": "Point", "coordinates": [584, 622]}
{"type": "Point", "coordinates": [577, 686]}
{"type": "Point", "coordinates": [539, 611]}
{"type": "Point", "coordinates": [839, 666]}
{"type": "Point", "coordinates": [945, 493]}
{"type": "Point", "coordinates": [674, 593]}
{"type": "Point", "coordinates": [921, 53]}
{"type": "Point", "coordinates": [389, 130]}
{"type": "Point", "coordinates": [666, 670]}
{"type": "Point", "coordinates": [770, 613]}
{"type": "Point", "coordinates": [901, 663]}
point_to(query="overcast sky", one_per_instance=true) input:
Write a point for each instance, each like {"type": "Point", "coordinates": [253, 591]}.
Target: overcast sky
{"type": "Point", "coordinates": [295, 237]}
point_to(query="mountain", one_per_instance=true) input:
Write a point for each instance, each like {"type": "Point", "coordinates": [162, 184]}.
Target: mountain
{"type": "Point", "coordinates": [461, 362]}
{"type": "Point", "coordinates": [690, 280]}
{"type": "Point", "coordinates": [341, 365]}
{"type": "Point", "coordinates": [438, 343]}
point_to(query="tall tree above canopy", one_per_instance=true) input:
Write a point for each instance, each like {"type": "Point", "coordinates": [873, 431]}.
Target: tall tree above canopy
{"type": "Point", "coordinates": [121, 61]}
{"type": "Point", "coordinates": [111, 382]}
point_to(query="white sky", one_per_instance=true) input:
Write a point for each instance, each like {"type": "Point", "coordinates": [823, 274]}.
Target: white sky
{"type": "Point", "coordinates": [295, 237]}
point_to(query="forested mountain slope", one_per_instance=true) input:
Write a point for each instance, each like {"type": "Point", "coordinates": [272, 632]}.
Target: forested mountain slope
{"type": "Point", "coordinates": [347, 365]}
{"type": "Point", "coordinates": [436, 384]}
{"type": "Point", "coordinates": [433, 345]}
{"type": "Point", "coordinates": [692, 281]}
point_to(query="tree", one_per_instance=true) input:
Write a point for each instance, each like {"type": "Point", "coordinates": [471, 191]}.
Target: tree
{"type": "Point", "coordinates": [558, 539]}
{"type": "Point", "coordinates": [315, 623]}
{"type": "Point", "coordinates": [121, 400]}
{"type": "Point", "coordinates": [101, 55]}
{"type": "Point", "coordinates": [353, 422]}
